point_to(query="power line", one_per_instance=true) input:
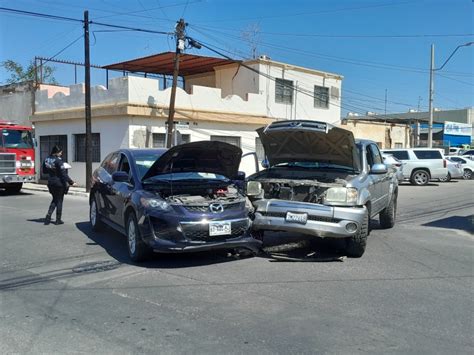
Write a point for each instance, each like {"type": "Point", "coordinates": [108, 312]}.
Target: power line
{"type": "Point", "coordinates": [457, 80]}
{"type": "Point", "coordinates": [313, 12]}
{"type": "Point", "coordinates": [300, 90]}
{"type": "Point", "coordinates": [54, 17]}
{"type": "Point", "coordinates": [321, 35]}
{"type": "Point", "coordinates": [62, 50]}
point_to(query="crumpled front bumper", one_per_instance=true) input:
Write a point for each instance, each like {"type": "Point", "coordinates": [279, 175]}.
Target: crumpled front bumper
{"type": "Point", "coordinates": [165, 235]}
{"type": "Point", "coordinates": [323, 221]}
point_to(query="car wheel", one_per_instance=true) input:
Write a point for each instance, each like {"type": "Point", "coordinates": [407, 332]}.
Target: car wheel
{"type": "Point", "coordinates": [446, 179]}
{"type": "Point", "coordinates": [420, 177]}
{"type": "Point", "coordinates": [137, 249]}
{"type": "Point", "coordinates": [388, 215]}
{"type": "Point", "coordinates": [355, 245]}
{"type": "Point", "coordinates": [14, 188]}
{"type": "Point", "coordinates": [467, 174]}
{"type": "Point", "coordinates": [94, 216]}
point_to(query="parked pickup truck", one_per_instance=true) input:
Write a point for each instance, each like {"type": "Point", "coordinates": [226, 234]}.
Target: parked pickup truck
{"type": "Point", "coordinates": [321, 182]}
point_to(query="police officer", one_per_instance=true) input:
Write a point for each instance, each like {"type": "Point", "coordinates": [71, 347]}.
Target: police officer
{"type": "Point", "coordinates": [58, 181]}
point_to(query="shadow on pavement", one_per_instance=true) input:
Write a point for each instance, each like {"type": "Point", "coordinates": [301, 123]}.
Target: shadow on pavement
{"type": "Point", "coordinates": [465, 223]}
{"type": "Point", "coordinates": [115, 244]}
{"type": "Point", "coordinates": [8, 193]}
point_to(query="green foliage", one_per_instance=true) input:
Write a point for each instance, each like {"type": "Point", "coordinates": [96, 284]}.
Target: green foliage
{"type": "Point", "coordinates": [20, 74]}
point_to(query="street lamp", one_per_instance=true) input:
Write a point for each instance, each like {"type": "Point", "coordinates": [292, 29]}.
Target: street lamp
{"type": "Point", "coordinates": [432, 70]}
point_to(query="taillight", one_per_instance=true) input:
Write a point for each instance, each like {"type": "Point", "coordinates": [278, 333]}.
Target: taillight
{"type": "Point", "coordinates": [444, 163]}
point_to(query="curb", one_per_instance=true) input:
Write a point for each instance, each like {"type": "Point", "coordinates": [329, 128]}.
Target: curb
{"type": "Point", "coordinates": [44, 188]}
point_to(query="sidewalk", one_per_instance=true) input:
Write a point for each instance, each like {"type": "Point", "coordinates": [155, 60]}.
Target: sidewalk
{"type": "Point", "coordinates": [75, 191]}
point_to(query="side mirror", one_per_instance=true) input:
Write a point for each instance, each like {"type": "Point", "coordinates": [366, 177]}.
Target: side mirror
{"type": "Point", "coordinates": [378, 169]}
{"type": "Point", "coordinates": [120, 176]}
{"type": "Point", "coordinates": [240, 176]}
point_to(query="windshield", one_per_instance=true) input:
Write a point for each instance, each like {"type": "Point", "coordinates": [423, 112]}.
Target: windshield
{"type": "Point", "coordinates": [187, 176]}
{"type": "Point", "coordinates": [143, 162]}
{"type": "Point", "coordinates": [15, 138]}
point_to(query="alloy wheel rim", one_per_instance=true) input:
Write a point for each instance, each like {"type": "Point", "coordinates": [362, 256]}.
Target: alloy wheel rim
{"type": "Point", "coordinates": [421, 178]}
{"type": "Point", "coordinates": [131, 237]}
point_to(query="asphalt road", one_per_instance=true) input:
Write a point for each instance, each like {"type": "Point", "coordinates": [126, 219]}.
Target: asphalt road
{"type": "Point", "coordinates": [65, 289]}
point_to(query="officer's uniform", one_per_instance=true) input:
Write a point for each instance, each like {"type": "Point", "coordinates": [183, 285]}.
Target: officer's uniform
{"type": "Point", "coordinates": [58, 182]}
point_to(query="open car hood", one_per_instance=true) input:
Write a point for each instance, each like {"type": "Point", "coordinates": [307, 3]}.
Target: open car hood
{"type": "Point", "coordinates": [309, 141]}
{"type": "Point", "coordinates": [205, 157]}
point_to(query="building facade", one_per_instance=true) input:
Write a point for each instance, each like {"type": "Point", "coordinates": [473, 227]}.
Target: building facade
{"type": "Point", "coordinates": [227, 104]}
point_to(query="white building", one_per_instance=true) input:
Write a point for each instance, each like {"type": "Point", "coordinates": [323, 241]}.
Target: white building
{"type": "Point", "coordinates": [221, 100]}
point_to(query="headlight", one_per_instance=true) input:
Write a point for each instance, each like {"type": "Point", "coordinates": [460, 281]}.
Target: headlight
{"type": "Point", "coordinates": [154, 203]}
{"type": "Point", "coordinates": [254, 188]}
{"type": "Point", "coordinates": [341, 195]}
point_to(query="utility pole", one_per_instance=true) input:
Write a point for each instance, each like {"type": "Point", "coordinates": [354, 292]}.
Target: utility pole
{"type": "Point", "coordinates": [180, 37]}
{"type": "Point", "coordinates": [430, 102]}
{"type": "Point", "coordinates": [385, 101]}
{"type": "Point", "coordinates": [88, 114]}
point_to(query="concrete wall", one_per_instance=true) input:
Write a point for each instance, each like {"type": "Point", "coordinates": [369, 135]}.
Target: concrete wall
{"type": "Point", "coordinates": [145, 92]}
{"type": "Point", "coordinates": [303, 96]}
{"type": "Point", "coordinates": [113, 135]}
{"type": "Point", "coordinates": [16, 107]}
{"type": "Point", "coordinates": [388, 135]}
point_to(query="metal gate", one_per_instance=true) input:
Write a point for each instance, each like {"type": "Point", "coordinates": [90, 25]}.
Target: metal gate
{"type": "Point", "coordinates": [46, 144]}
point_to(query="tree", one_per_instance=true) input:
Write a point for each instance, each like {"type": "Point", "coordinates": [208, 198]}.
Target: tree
{"type": "Point", "coordinates": [20, 74]}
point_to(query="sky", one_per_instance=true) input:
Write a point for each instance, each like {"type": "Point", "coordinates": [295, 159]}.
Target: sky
{"type": "Point", "coordinates": [381, 47]}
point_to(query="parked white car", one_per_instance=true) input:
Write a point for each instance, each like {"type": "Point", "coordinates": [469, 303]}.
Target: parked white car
{"type": "Point", "coordinates": [455, 171]}
{"type": "Point", "coordinates": [395, 164]}
{"type": "Point", "coordinates": [420, 165]}
{"type": "Point", "coordinates": [466, 163]}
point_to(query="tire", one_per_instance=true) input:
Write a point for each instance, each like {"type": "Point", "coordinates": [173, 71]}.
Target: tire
{"type": "Point", "coordinates": [446, 179]}
{"type": "Point", "coordinates": [94, 216]}
{"type": "Point", "coordinates": [14, 188]}
{"type": "Point", "coordinates": [137, 249]}
{"type": "Point", "coordinates": [388, 215]}
{"type": "Point", "coordinates": [420, 177]}
{"type": "Point", "coordinates": [355, 245]}
{"type": "Point", "coordinates": [467, 174]}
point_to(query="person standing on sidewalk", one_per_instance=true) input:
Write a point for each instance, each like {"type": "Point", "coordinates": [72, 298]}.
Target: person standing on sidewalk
{"type": "Point", "coordinates": [58, 182]}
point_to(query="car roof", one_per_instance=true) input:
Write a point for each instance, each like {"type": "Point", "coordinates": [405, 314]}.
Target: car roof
{"type": "Point", "coordinates": [138, 151]}
{"type": "Point", "coordinates": [364, 141]}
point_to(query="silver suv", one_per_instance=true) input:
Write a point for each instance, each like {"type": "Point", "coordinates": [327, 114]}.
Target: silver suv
{"type": "Point", "coordinates": [321, 182]}
{"type": "Point", "coordinates": [420, 165]}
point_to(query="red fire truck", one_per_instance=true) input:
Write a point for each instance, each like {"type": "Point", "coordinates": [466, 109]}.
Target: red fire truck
{"type": "Point", "coordinates": [17, 156]}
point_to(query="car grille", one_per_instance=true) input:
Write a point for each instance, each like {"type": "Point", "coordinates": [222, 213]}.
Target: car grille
{"type": "Point", "coordinates": [7, 163]}
{"type": "Point", "coordinates": [200, 232]}
{"type": "Point", "coordinates": [310, 217]}
{"type": "Point", "coordinates": [205, 208]}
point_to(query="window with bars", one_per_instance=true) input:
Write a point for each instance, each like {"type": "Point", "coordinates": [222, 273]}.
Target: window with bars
{"type": "Point", "coordinates": [47, 143]}
{"type": "Point", "coordinates": [159, 139]}
{"type": "Point", "coordinates": [80, 147]}
{"type": "Point", "coordinates": [227, 139]}
{"type": "Point", "coordinates": [284, 91]}
{"type": "Point", "coordinates": [321, 96]}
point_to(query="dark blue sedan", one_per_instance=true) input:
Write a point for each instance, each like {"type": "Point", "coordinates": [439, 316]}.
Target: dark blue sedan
{"type": "Point", "coordinates": [179, 200]}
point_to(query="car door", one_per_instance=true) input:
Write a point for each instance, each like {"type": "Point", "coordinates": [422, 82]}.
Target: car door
{"type": "Point", "coordinates": [121, 191]}
{"type": "Point", "coordinates": [375, 185]}
{"type": "Point", "coordinates": [384, 179]}
{"type": "Point", "coordinates": [105, 184]}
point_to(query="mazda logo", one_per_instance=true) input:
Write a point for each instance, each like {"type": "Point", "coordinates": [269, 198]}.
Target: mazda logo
{"type": "Point", "coordinates": [216, 208]}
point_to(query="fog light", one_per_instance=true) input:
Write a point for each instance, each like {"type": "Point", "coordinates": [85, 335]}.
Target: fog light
{"type": "Point", "coordinates": [351, 227]}
{"type": "Point", "coordinates": [7, 179]}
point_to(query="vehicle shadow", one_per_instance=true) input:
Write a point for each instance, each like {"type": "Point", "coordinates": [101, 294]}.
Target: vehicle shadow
{"type": "Point", "coordinates": [8, 193]}
{"type": "Point", "coordinates": [464, 223]}
{"type": "Point", "coordinates": [115, 244]}
{"type": "Point", "coordinates": [281, 246]}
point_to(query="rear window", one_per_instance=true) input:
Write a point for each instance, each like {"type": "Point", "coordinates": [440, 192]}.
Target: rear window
{"type": "Point", "coordinates": [428, 154]}
{"type": "Point", "coordinates": [399, 154]}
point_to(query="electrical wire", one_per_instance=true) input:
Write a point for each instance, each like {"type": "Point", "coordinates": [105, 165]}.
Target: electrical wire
{"type": "Point", "coordinates": [313, 12]}
{"type": "Point", "coordinates": [62, 50]}
{"type": "Point", "coordinates": [352, 36]}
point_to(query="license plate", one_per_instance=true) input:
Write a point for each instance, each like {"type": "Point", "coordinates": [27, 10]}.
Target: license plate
{"type": "Point", "coordinates": [219, 228]}
{"type": "Point", "coordinates": [296, 217]}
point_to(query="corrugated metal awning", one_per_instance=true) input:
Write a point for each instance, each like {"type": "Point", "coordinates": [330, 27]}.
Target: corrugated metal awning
{"type": "Point", "coordinates": [163, 63]}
